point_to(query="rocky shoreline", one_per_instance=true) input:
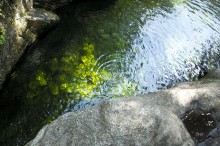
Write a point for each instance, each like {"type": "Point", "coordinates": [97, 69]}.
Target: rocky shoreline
{"type": "Point", "coordinates": [20, 25]}
{"type": "Point", "coordinates": [152, 119]}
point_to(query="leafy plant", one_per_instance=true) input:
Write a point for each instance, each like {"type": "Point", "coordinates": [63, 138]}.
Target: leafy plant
{"type": "Point", "coordinates": [2, 36]}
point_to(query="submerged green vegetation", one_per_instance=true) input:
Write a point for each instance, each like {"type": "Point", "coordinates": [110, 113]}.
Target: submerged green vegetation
{"type": "Point", "coordinates": [101, 50]}
{"type": "Point", "coordinates": [2, 34]}
{"type": "Point", "coordinates": [73, 73]}
{"type": "Point", "coordinates": [76, 73]}
{"type": "Point", "coordinates": [2, 30]}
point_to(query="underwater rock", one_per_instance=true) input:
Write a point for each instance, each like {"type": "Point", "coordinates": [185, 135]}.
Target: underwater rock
{"type": "Point", "coordinates": [20, 26]}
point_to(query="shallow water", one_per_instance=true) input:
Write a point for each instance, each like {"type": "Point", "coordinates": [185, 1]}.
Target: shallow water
{"type": "Point", "coordinates": [110, 49]}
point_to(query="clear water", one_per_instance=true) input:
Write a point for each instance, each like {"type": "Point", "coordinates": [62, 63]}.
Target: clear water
{"type": "Point", "coordinates": [108, 49]}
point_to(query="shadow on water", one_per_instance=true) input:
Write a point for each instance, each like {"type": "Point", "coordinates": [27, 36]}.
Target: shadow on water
{"type": "Point", "coordinates": [104, 50]}
{"type": "Point", "coordinates": [199, 124]}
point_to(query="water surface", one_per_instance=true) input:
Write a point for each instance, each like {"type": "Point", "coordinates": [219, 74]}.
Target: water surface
{"type": "Point", "coordinates": [102, 50]}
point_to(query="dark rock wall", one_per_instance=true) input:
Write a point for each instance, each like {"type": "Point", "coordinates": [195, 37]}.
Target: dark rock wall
{"type": "Point", "coordinates": [50, 4]}
{"type": "Point", "coordinates": [21, 24]}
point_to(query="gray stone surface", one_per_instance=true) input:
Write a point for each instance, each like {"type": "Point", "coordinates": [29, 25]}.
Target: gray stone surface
{"type": "Point", "coordinates": [152, 119]}
{"type": "Point", "coordinates": [213, 138]}
{"type": "Point", "coordinates": [22, 24]}
{"type": "Point", "coordinates": [121, 122]}
{"type": "Point", "coordinates": [40, 20]}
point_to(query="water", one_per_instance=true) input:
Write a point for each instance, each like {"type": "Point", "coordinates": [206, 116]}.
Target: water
{"type": "Point", "coordinates": [102, 50]}
{"type": "Point", "coordinates": [199, 125]}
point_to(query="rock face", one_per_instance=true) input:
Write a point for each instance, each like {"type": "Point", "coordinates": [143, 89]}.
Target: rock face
{"type": "Point", "coordinates": [152, 119]}
{"type": "Point", "coordinates": [50, 4]}
{"type": "Point", "coordinates": [214, 138]}
{"type": "Point", "coordinates": [21, 25]}
{"type": "Point", "coordinates": [121, 122]}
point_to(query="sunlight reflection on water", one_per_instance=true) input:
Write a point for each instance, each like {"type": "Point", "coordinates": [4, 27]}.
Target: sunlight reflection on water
{"type": "Point", "coordinates": [127, 48]}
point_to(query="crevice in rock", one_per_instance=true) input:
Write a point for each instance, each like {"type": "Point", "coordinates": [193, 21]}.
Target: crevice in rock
{"type": "Point", "coordinates": [199, 124]}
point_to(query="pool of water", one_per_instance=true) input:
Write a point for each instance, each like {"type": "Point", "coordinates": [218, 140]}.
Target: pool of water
{"type": "Point", "coordinates": [107, 49]}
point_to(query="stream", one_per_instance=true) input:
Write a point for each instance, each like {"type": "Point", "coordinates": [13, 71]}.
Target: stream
{"type": "Point", "coordinates": [108, 49]}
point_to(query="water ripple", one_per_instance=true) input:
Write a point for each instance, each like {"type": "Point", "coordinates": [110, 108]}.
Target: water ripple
{"type": "Point", "coordinates": [128, 48]}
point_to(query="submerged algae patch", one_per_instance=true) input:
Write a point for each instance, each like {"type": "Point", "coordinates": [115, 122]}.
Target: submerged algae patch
{"type": "Point", "coordinates": [2, 35]}
{"type": "Point", "coordinates": [77, 74]}
{"type": "Point", "coordinates": [73, 73]}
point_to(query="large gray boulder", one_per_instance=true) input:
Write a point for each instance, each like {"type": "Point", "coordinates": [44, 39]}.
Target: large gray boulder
{"type": "Point", "coordinates": [153, 119]}
{"type": "Point", "coordinates": [124, 122]}
{"type": "Point", "coordinates": [20, 24]}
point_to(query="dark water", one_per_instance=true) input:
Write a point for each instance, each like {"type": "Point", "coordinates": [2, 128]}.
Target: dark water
{"type": "Point", "coordinates": [108, 49]}
{"type": "Point", "coordinates": [199, 124]}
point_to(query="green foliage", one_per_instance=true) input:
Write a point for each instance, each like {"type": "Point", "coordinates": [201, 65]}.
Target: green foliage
{"type": "Point", "coordinates": [73, 74]}
{"type": "Point", "coordinates": [84, 74]}
{"type": "Point", "coordinates": [2, 30]}
{"type": "Point", "coordinates": [41, 78]}
{"type": "Point", "coordinates": [76, 74]}
{"type": "Point", "coordinates": [1, 3]}
{"type": "Point", "coordinates": [2, 35]}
